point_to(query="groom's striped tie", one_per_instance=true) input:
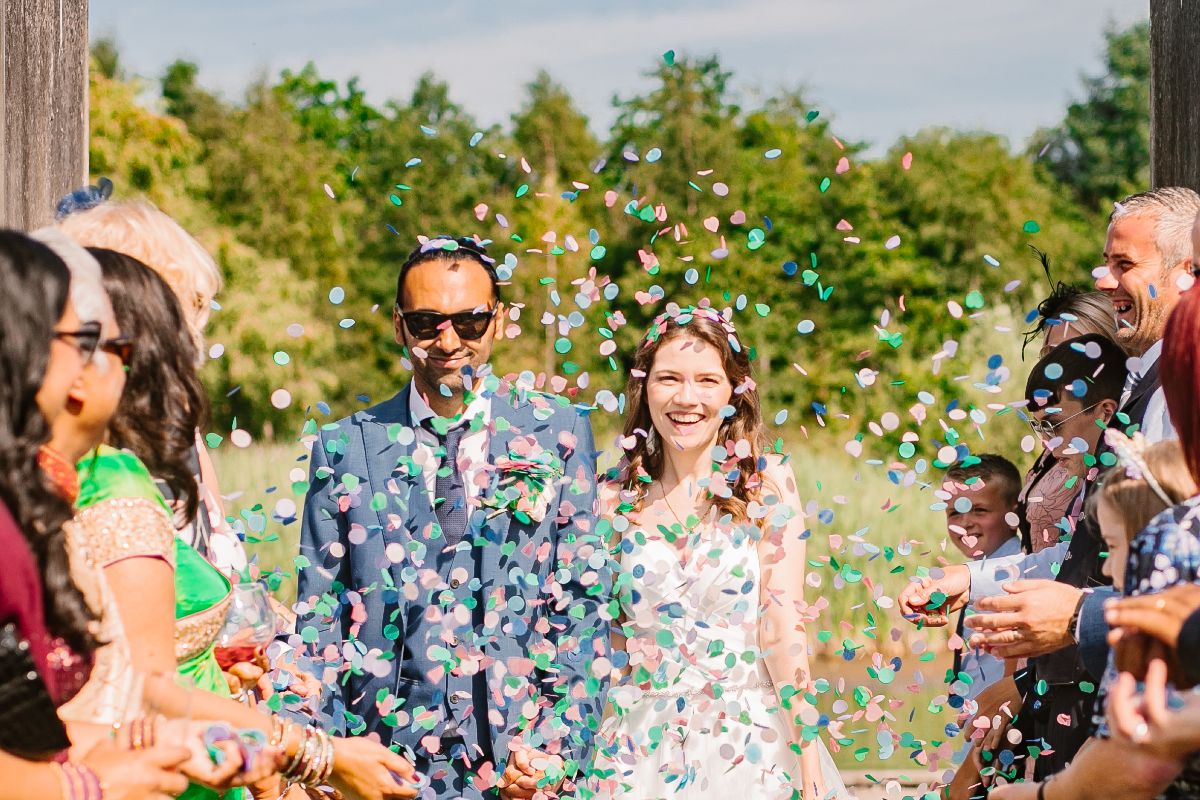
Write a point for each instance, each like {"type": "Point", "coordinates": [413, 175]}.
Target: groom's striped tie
{"type": "Point", "coordinates": [449, 489]}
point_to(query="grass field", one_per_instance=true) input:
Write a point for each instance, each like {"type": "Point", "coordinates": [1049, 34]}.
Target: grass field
{"type": "Point", "coordinates": [860, 553]}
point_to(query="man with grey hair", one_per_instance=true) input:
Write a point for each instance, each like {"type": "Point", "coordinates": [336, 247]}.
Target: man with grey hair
{"type": "Point", "coordinates": [1037, 605]}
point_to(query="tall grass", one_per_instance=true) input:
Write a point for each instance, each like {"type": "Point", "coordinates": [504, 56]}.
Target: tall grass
{"type": "Point", "coordinates": [861, 549]}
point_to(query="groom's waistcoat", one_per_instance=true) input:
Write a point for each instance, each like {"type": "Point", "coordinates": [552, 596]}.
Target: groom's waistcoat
{"type": "Point", "coordinates": [473, 642]}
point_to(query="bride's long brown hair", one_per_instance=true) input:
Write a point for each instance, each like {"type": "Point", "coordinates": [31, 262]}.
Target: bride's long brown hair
{"type": "Point", "coordinates": [642, 464]}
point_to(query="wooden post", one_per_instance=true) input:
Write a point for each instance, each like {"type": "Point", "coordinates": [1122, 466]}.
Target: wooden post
{"type": "Point", "coordinates": [1175, 93]}
{"type": "Point", "coordinates": [43, 107]}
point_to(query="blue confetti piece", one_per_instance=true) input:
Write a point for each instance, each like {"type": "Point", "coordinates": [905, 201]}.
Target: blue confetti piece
{"type": "Point", "coordinates": [773, 153]}
{"type": "Point", "coordinates": [476, 138]}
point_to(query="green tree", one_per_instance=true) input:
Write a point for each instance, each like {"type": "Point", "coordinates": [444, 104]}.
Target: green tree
{"type": "Point", "coordinates": [1101, 149]}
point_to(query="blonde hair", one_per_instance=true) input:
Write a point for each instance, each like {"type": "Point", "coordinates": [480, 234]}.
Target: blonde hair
{"type": "Point", "coordinates": [137, 228]}
{"type": "Point", "coordinates": [1132, 496]}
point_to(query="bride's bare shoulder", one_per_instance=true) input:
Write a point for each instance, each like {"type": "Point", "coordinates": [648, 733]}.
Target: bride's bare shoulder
{"type": "Point", "coordinates": [779, 478]}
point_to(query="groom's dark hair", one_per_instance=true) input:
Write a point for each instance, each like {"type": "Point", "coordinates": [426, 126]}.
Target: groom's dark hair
{"type": "Point", "coordinates": [432, 251]}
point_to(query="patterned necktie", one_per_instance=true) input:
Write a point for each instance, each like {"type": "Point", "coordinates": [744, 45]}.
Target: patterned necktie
{"type": "Point", "coordinates": [449, 489]}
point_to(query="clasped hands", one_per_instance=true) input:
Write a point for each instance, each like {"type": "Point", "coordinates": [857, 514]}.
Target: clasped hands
{"type": "Point", "coordinates": [1031, 619]}
{"type": "Point", "coordinates": [530, 773]}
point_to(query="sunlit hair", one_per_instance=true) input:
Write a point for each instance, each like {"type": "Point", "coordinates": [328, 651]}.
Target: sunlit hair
{"type": "Point", "coordinates": [1132, 496]}
{"type": "Point", "coordinates": [1179, 371]}
{"type": "Point", "coordinates": [1174, 210]}
{"type": "Point", "coordinates": [138, 229]}
{"type": "Point", "coordinates": [1081, 311]}
{"type": "Point", "coordinates": [743, 477]}
{"type": "Point", "coordinates": [163, 403]}
{"type": "Point", "coordinates": [1089, 369]}
{"type": "Point", "coordinates": [992, 470]}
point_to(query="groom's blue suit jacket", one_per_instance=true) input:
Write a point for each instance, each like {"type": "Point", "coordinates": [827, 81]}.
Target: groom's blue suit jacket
{"type": "Point", "coordinates": [432, 645]}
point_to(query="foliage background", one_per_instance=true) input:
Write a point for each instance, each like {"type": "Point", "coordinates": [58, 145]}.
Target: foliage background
{"type": "Point", "coordinates": [309, 196]}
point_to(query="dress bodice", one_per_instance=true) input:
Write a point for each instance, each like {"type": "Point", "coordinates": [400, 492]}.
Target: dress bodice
{"type": "Point", "coordinates": [691, 603]}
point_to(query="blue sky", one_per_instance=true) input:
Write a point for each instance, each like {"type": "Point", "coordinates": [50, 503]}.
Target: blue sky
{"type": "Point", "coordinates": [880, 68]}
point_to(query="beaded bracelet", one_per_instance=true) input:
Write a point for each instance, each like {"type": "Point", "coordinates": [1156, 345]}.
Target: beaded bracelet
{"type": "Point", "coordinates": [312, 763]}
{"type": "Point", "coordinates": [79, 782]}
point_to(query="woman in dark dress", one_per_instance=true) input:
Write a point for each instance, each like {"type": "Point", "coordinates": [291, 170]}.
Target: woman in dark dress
{"type": "Point", "coordinates": [44, 347]}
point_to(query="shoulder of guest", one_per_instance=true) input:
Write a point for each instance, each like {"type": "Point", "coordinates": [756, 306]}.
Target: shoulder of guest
{"type": "Point", "coordinates": [108, 473]}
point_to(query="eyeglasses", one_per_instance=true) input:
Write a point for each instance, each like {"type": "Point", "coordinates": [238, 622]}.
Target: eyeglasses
{"type": "Point", "coordinates": [121, 347]}
{"type": "Point", "coordinates": [86, 339]}
{"type": "Point", "coordinates": [469, 325]}
{"type": "Point", "coordinates": [1045, 428]}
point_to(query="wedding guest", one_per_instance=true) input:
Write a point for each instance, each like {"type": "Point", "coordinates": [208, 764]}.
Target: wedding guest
{"type": "Point", "coordinates": [45, 346]}
{"type": "Point", "coordinates": [1071, 394]}
{"type": "Point", "coordinates": [1148, 255]}
{"type": "Point", "coordinates": [485, 463]}
{"type": "Point", "coordinates": [1143, 508]}
{"type": "Point", "coordinates": [139, 229]}
{"type": "Point", "coordinates": [1165, 553]}
{"type": "Point", "coordinates": [1069, 312]}
{"type": "Point", "coordinates": [164, 604]}
{"type": "Point", "coordinates": [981, 505]}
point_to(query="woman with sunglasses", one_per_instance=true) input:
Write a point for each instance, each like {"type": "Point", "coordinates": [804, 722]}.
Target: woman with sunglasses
{"type": "Point", "coordinates": [166, 602]}
{"type": "Point", "coordinates": [1071, 393]}
{"type": "Point", "coordinates": [45, 349]}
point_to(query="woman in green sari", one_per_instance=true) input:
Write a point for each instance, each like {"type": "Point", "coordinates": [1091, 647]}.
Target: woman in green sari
{"type": "Point", "coordinates": [123, 531]}
{"type": "Point", "coordinates": [164, 604]}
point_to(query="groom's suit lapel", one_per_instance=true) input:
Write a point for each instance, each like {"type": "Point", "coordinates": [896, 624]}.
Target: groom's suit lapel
{"type": "Point", "coordinates": [506, 425]}
{"type": "Point", "coordinates": [410, 504]}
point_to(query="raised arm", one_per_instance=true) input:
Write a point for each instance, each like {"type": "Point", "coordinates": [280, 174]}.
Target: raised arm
{"type": "Point", "coordinates": [783, 635]}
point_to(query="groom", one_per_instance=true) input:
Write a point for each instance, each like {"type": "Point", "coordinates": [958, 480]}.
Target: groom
{"type": "Point", "coordinates": [457, 586]}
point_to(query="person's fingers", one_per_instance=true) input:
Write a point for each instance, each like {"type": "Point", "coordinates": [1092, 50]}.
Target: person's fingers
{"type": "Point", "coordinates": [1018, 649]}
{"type": "Point", "coordinates": [1001, 603]}
{"type": "Point", "coordinates": [173, 783]}
{"type": "Point", "coordinates": [520, 758]}
{"type": "Point", "coordinates": [996, 621]}
{"type": "Point", "coordinates": [246, 671]}
{"type": "Point", "coordinates": [1154, 693]}
{"type": "Point", "coordinates": [397, 763]}
{"type": "Point", "coordinates": [996, 638]}
{"type": "Point", "coordinates": [167, 757]}
{"type": "Point", "coordinates": [1151, 620]}
{"type": "Point", "coordinates": [1122, 716]}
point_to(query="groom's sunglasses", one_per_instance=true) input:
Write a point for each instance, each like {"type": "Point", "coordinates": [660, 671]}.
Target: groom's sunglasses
{"type": "Point", "coordinates": [469, 325]}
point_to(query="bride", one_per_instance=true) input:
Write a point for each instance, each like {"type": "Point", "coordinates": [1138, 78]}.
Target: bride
{"type": "Point", "coordinates": [708, 535]}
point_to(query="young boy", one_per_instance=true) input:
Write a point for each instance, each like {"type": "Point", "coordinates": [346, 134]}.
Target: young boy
{"type": "Point", "coordinates": [981, 503]}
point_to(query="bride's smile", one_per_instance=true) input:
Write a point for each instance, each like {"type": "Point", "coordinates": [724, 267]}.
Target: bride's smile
{"type": "Point", "coordinates": [686, 390]}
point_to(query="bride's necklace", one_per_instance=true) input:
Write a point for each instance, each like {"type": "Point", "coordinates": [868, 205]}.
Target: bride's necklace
{"type": "Point", "coordinates": [688, 529]}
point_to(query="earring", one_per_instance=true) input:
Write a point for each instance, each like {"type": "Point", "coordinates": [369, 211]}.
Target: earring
{"type": "Point", "coordinates": [652, 441]}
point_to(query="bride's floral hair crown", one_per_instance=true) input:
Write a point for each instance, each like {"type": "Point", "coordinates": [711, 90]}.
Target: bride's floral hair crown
{"type": "Point", "coordinates": [681, 316]}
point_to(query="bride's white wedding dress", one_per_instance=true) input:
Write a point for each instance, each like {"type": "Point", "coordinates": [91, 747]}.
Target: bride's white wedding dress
{"type": "Point", "coordinates": [698, 716]}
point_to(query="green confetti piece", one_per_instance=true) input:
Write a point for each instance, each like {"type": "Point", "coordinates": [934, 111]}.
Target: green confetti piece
{"type": "Point", "coordinates": [395, 198]}
{"type": "Point", "coordinates": [762, 309]}
{"type": "Point", "coordinates": [281, 358]}
{"type": "Point", "coordinates": [562, 346]}
{"type": "Point", "coordinates": [598, 252]}
{"type": "Point", "coordinates": [825, 184]}
{"type": "Point", "coordinates": [523, 190]}
{"type": "Point", "coordinates": [974, 299]}
{"type": "Point", "coordinates": [1031, 226]}
{"type": "Point", "coordinates": [213, 440]}
{"type": "Point", "coordinates": [669, 58]}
